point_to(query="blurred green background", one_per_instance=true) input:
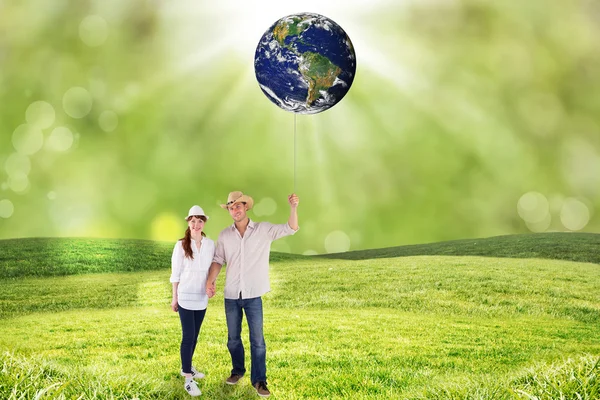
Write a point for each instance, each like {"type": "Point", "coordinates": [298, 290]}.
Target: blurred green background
{"type": "Point", "coordinates": [466, 119]}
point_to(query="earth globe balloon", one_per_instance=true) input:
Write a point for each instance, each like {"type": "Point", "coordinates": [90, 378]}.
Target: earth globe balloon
{"type": "Point", "coordinates": [305, 63]}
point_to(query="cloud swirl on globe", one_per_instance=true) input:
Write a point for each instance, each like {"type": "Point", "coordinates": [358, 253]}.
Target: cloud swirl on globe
{"type": "Point", "coordinates": [305, 63]}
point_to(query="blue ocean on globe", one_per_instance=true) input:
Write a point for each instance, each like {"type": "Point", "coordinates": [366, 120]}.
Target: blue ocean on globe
{"type": "Point", "coordinates": [305, 63]}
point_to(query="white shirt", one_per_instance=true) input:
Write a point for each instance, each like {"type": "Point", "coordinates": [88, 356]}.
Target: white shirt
{"type": "Point", "coordinates": [191, 274]}
{"type": "Point", "coordinates": [247, 258]}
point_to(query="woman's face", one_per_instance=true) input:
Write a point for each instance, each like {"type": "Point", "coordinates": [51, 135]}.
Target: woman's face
{"type": "Point", "coordinates": [196, 224]}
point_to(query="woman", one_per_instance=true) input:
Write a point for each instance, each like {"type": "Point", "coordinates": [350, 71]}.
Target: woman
{"type": "Point", "coordinates": [190, 262]}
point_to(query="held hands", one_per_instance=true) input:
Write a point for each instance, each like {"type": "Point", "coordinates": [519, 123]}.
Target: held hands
{"type": "Point", "coordinates": [210, 289]}
{"type": "Point", "coordinates": [293, 200]}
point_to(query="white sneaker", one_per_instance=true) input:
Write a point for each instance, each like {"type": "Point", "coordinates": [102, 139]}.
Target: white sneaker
{"type": "Point", "coordinates": [192, 388]}
{"type": "Point", "coordinates": [195, 373]}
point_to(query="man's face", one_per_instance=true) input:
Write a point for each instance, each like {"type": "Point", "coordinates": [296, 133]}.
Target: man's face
{"type": "Point", "coordinates": [238, 211]}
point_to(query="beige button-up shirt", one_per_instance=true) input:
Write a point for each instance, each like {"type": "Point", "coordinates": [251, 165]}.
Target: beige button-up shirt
{"type": "Point", "coordinates": [247, 257]}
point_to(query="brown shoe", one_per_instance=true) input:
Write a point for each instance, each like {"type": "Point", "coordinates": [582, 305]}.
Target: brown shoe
{"type": "Point", "coordinates": [261, 389]}
{"type": "Point", "coordinates": [233, 379]}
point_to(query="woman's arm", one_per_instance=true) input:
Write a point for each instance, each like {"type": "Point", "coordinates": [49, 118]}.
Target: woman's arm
{"type": "Point", "coordinates": [175, 302]}
{"type": "Point", "coordinates": [176, 267]}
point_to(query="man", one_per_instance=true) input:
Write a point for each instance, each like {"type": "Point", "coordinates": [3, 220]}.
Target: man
{"type": "Point", "coordinates": [245, 247]}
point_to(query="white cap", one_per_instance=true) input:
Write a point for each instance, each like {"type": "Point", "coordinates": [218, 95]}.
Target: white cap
{"type": "Point", "coordinates": [196, 210]}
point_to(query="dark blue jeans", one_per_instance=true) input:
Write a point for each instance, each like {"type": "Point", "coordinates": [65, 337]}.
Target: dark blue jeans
{"type": "Point", "coordinates": [191, 321]}
{"type": "Point", "coordinates": [234, 310]}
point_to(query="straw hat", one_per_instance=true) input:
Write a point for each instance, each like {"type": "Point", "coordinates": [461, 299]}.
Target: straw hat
{"type": "Point", "coordinates": [238, 197]}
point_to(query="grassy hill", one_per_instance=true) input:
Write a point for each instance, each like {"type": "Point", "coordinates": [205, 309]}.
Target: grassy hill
{"type": "Point", "coordinates": [581, 247]}
{"type": "Point", "coordinates": [69, 256]}
{"type": "Point", "coordinates": [433, 321]}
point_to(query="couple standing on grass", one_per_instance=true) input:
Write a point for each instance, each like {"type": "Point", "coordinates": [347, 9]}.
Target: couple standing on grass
{"type": "Point", "coordinates": [196, 263]}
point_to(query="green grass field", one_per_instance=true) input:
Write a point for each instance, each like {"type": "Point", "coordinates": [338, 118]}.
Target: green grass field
{"type": "Point", "coordinates": [513, 317]}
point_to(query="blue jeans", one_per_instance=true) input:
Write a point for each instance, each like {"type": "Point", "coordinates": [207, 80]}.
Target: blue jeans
{"type": "Point", "coordinates": [191, 321]}
{"type": "Point", "coordinates": [234, 310]}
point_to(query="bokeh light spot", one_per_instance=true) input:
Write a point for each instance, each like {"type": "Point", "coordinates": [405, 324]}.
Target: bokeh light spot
{"type": "Point", "coordinates": [167, 227]}
{"type": "Point", "coordinates": [17, 164]}
{"type": "Point", "coordinates": [27, 139]}
{"type": "Point", "coordinates": [574, 214]}
{"type": "Point", "coordinates": [40, 114]}
{"type": "Point", "coordinates": [77, 102]}
{"type": "Point", "coordinates": [51, 195]}
{"type": "Point", "coordinates": [93, 30]}
{"type": "Point", "coordinates": [18, 182]}
{"type": "Point", "coordinates": [61, 139]}
{"type": "Point", "coordinates": [6, 208]}
{"type": "Point", "coordinates": [533, 207]}
{"type": "Point", "coordinates": [540, 226]}
{"type": "Point", "coordinates": [337, 242]}
{"type": "Point", "coordinates": [310, 252]}
{"type": "Point", "coordinates": [267, 206]}
{"type": "Point", "coordinates": [108, 121]}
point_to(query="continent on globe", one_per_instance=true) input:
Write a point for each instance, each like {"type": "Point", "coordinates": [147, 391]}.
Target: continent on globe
{"type": "Point", "coordinates": [319, 72]}
{"type": "Point", "coordinates": [305, 63]}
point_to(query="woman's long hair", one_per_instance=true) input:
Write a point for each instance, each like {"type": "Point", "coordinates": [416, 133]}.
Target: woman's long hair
{"type": "Point", "coordinates": [186, 241]}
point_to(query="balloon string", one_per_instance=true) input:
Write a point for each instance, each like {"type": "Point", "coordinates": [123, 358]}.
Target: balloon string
{"type": "Point", "coordinates": [295, 152]}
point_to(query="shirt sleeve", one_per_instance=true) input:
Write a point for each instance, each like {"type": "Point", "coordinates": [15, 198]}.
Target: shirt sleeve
{"type": "Point", "coordinates": [176, 262]}
{"type": "Point", "coordinates": [219, 257]}
{"type": "Point", "coordinates": [276, 231]}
